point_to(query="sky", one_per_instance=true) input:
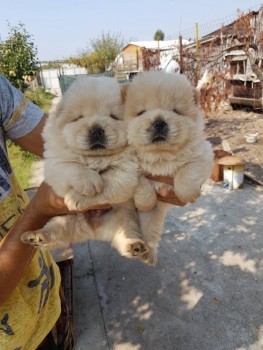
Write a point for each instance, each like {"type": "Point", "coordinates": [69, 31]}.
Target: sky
{"type": "Point", "coordinates": [61, 28]}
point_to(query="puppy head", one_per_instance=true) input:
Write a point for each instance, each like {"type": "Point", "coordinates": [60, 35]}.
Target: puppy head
{"type": "Point", "coordinates": [90, 116]}
{"type": "Point", "coordinates": [162, 112]}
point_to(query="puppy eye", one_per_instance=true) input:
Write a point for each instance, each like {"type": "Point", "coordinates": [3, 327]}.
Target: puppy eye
{"type": "Point", "coordinates": [78, 118]}
{"type": "Point", "coordinates": [113, 116]}
{"type": "Point", "coordinates": [140, 113]}
{"type": "Point", "coordinates": [176, 111]}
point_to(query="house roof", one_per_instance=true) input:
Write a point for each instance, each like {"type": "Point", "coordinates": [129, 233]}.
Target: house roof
{"type": "Point", "coordinates": [155, 45]}
{"type": "Point", "coordinates": [227, 32]}
{"type": "Point", "coordinates": [229, 28]}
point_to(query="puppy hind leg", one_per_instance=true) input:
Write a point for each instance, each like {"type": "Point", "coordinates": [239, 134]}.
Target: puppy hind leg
{"type": "Point", "coordinates": [55, 234]}
{"type": "Point", "coordinates": [127, 239]}
{"type": "Point", "coordinates": [151, 225]}
{"type": "Point", "coordinates": [129, 247]}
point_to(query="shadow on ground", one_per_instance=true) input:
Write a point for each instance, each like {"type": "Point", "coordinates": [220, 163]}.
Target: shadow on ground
{"type": "Point", "coordinates": [205, 292]}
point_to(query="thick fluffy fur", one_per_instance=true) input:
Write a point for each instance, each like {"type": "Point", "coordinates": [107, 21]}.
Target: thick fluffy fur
{"type": "Point", "coordinates": [88, 162]}
{"type": "Point", "coordinates": [165, 127]}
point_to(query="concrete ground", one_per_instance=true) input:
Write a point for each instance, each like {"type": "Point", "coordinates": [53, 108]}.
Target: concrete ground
{"type": "Point", "coordinates": [205, 293]}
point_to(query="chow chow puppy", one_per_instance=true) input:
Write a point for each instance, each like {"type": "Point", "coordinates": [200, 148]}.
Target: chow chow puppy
{"type": "Point", "coordinates": [88, 162]}
{"type": "Point", "coordinates": [165, 128]}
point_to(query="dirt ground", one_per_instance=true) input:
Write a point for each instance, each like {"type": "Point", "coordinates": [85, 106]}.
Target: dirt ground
{"type": "Point", "coordinates": [233, 126]}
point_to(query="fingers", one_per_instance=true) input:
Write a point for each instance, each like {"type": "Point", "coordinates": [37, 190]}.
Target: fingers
{"type": "Point", "coordinates": [98, 207]}
{"type": "Point", "coordinates": [164, 179]}
{"type": "Point", "coordinates": [46, 202]}
{"type": "Point", "coordinates": [165, 192]}
{"type": "Point", "coordinates": [170, 198]}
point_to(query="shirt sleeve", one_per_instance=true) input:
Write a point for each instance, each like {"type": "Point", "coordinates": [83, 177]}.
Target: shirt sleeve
{"type": "Point", "coordinates": [19, 116]}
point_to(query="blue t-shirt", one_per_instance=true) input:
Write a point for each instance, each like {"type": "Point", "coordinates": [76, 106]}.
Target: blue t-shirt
{"type": "Point", "coordinates": [18, 116]}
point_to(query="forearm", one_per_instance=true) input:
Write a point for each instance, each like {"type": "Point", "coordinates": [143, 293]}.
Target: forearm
{"type": "Point", "coordinates": [15, 255]}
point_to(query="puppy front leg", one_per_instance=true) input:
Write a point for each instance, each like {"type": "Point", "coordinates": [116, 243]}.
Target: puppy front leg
{"type": "Point", "coordinates": [81, 185]}
{"type": "Point", "coordinates": [145, 197]}
{"type": "Point", "coordinates": [86, 182]}
{"type": "Point", "coordinates": [188, 181]}
{"type": "Point", "coordinates": [119, 186]}
{"type": "Point", "coordinates": [63, 176]}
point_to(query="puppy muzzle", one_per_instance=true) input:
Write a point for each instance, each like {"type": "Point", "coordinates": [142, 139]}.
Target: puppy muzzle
{"type": "Point", "coordinates": [159, 130]}
{"type": "Point", "coordinates": [96, 138]}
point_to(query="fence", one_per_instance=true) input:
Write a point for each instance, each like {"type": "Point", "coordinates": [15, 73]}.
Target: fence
{"type": "Point", "coordinates": [66, 80]}
{"type": "Point", "coordinates": [50, 78]}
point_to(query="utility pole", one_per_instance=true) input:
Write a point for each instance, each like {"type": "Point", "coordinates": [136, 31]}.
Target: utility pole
{"type": "Point", "coordinates": [197, 53]}
{"type": "Point", "coordinates": [181, 54]}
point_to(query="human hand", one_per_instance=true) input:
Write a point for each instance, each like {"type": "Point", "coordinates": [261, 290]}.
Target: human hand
{"type": "Point", "coordinates": [47, 204]}
{"type": "Point", "coordinates": [164, 194]}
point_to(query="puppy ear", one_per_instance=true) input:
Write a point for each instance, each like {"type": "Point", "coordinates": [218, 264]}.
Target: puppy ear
{"type": "Point", "coordinates": [124, 88]}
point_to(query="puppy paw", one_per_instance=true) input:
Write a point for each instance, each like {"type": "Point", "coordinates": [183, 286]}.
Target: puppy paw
{"type": "Point", "coordinates": [93, 186]}
{"type": "Point", "coordinates": [35, 238]}
{"type": "Point", "coordinates": [89, 185]}
{"type": "Point", "coordinates": [145, 202]}
{"type": "Point", "coordinates": [76, 201]}
{"type": "Point", "coordinates": [149, 257]}
{"type": "Point", "coordinates": [135, 248]}
{"type": "Point", "coordinates": [164, 189]}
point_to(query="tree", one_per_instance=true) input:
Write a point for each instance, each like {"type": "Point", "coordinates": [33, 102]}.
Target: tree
{"type": "Point", "coordinates": [159, 35]}
{"type": "Point", "coordinates": [100, 54]}
{"type": "Point", "coordinates": [18, 56]}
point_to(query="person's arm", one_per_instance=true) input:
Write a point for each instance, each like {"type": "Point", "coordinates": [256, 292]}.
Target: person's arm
{"type": "Point", "coordinates": [14, 254]}
{"type": "Point", "coordinates": [33, 141]}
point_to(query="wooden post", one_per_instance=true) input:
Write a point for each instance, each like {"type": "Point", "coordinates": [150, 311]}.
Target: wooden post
{"type": "Point", "coordinates": [181, 54]}
{"type": "Point", "coordinates": [196, 53]}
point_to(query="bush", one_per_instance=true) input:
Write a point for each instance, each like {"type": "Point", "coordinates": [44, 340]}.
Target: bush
{"type": "Point", "coordinates": [40, 97]}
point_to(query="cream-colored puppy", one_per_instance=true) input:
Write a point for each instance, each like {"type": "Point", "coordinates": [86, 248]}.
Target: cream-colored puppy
{"type": "Point", "coordinates": [165, 127]}
{"type": "Point", "coordinates": [88, 162]}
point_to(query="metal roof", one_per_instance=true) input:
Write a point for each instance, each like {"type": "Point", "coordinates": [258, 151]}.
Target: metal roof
{"type": "Point", "coordinates": [155, 45]}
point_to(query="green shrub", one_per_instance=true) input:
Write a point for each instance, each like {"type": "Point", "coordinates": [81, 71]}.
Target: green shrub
{"type": "Point", "coordinates": [40, 97]}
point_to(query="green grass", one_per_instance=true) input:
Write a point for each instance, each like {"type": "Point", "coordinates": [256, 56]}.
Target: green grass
{"type": "Point", "coordinates": [41, 98]}
{"type": "Point", "coordinates": [22, 161]}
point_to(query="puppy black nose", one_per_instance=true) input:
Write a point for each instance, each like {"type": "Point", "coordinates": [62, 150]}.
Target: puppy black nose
{"type": "Point", "coordinates": [97, 132]}
{"type": "Point", "coordinates": [97, 138]}
{"type": "Point", "coordinates": [159, 125]}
